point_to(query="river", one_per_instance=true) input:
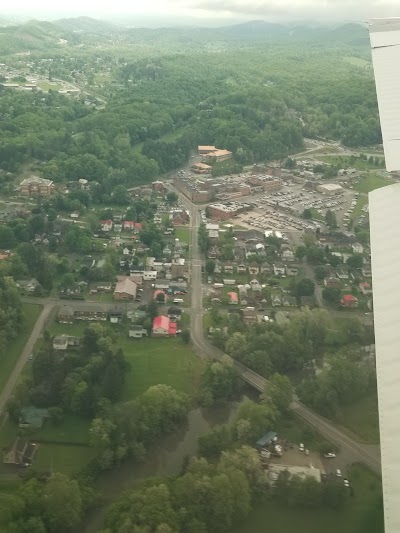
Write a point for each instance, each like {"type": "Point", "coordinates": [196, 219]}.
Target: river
{"type": "Point", "coordinates": [163, 459]}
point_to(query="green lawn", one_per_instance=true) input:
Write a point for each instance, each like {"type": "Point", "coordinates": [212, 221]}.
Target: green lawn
{"type": "Point", "coordinates": [14, 349]}
{"type": "Point", "coordinates": [363, 514]}
{"type": "Point", "coordinates": [155, 361]}
{"type": "Point", "coordinates": [59, 458]}
{"type": "Point", "coordinates": [183, 234]}
{"type": "Point", "coordinates": [45, 86]}
{"type": "Point", "coordinates": [361, 201]}
{"type": "Point", "coordinates": [361, 418]}
{"type": "Point", "coordinates": [371, 182]}
{"type": "Point", "coordinates": [350, 162]}
{"type": "Point", "coordinates": [72, 429]}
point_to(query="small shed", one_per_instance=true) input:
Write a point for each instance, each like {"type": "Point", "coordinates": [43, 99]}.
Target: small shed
{"type": "Point", "coordinates": [266, 439]}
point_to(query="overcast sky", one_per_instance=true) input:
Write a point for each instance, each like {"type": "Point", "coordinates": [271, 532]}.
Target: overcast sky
{"type": "Point", "coordinates": [205, 11]}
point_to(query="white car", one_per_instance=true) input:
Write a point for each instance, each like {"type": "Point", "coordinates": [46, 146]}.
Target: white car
{"type": "Point", "coordinates": [329, 455]}
{"type": "Point", "coordinates": [301, 447]}
{"type": "Point", "coordinates": [338, 473]}
{"type": "Point", "coordinates": [346, 482]}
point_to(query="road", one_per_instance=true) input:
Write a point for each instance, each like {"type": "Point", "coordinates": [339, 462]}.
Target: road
{"type": "Point", "coordinates": [24, 357]}
{"type": "Point", "coordinates": [353, 451]}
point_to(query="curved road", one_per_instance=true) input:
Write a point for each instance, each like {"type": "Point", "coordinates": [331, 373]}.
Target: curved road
{"type": "Point", "coordinates": [355, 451]}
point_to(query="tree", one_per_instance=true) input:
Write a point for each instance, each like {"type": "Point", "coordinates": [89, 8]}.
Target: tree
{"type": "Point", "coordinates": [305, 287]}
{"type": "Point", "coordinates": [62, 502]}
{"type": "Point", "coordinates": [236, 345]}
{"type": "Point", "coordinates": [331, 295]}
{"type": "Point", "coordinates": [171, 197]}
{"type": "Point", "coordinates": [160, 298]}
{"type": "Point", "coordinates": [279, 390]}
{"type": "Point", "coordinates": [330, 219]}
{"type": "Point", "coordinates": [320, 272]}
{"type": "Point", "coordinates": [307, 214]}
{"type": "Point", "coordinates": [7, 237]}
{"type": "Point", "coordinates": [221, 380]}
{"type": "Point", "coordinates": [120, 195]}
{"type": "Point", "coordinates": [315, 255]}
{"type": "Point", "coordinates": [210, 266]}
{"type": "Point", "coordinates": [301, 252]}
{"type": "Point", "coordinates": [355, 261]}
{"type": "Point", "coordinates": [185, 336]}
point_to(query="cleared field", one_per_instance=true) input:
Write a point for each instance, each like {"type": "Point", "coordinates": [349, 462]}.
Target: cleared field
{"type": "Point", "coordinates": [155, 361]}
{"type": "Point", "coordinates": [15, 347]}
{"type": "Point", "coordinates": [49, 86]}
{"type": "Point", "coordinates": [61, 458]}
{"type": "Point", "coordinates": [372, 182]}
{"type": "Point", "coordinates": [363, 514]}
{"type": "Point", "coordinates": [183, 234]}
{"type": "Point", "coordinates": [361, 202]}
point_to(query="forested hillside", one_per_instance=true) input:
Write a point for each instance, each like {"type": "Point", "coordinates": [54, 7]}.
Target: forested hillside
{"type": "Point", "coordinates": [256, 100]}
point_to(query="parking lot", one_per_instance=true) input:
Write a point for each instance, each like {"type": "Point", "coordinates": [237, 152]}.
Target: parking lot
{"type": "Point", "coordinates": [283, 210]}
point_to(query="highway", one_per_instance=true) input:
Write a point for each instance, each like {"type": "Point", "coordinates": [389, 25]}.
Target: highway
{"type": "Point", "coordinates": [354, 451]}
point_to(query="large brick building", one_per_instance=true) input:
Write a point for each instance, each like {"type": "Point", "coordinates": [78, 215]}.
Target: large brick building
{"type": "Point", "coordinates": [36, 186]}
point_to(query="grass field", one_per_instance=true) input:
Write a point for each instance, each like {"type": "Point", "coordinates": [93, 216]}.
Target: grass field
{"type": "Point", "coordinates": [363, 514]}
{"type": "Point", "coordinates": [155, 361]}
{"type": "Point", "coordinates": [183, 234]}
{"type": "Point", "coordinates": [372, 182]}
{"type": "Point", "coordinates": [361, 201]}
{"type": "Point", "coordinates": [14, 349]}
{"type": "Point", "coordinates": [61, 458]}
{"type": "Point", "coordinates": [349, 162]}
{"type": "Point", "coordinates": [49, 86]}
{"type": "Point", "coordinates": [362, 419]}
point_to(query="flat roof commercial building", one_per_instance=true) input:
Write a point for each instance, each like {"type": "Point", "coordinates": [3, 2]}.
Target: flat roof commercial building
{"type": "Point", "coordinates": [330, 188]}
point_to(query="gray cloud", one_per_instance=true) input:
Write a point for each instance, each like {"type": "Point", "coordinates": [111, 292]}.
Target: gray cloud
{"type": "Point", "coordinates": [300, 9]}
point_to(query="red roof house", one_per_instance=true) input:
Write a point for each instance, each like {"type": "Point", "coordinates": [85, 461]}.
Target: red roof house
{"type": "Point", "coordinates": [129, 225]}
{"type": "Point", "coordinates": [233, 298]}
{"type": "Point", "coordinates": [163, 326]}
{"type": "Point", "coordinates": [349, 300]}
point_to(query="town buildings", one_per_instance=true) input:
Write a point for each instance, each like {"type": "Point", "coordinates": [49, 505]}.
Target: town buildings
{"type": "Point", "coordinates": [125, 289]}
{"type": "Point", "coordinates": [35, 186]}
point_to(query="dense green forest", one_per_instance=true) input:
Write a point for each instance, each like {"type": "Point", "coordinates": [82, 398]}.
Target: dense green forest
{"type": "Point", "coordinates": [258, 100]}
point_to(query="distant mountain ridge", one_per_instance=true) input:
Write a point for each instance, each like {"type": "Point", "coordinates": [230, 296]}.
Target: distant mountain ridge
{"type": "Point", "coordinates": [36, 34]}
{"type": "Point", "coordinates": [86, 24]}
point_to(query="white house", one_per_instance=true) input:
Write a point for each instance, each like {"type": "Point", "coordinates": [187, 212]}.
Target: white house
{"type": "Point", "coordinates": [357, 248]}
{"type": "Point", "coordinates": [106, 225]}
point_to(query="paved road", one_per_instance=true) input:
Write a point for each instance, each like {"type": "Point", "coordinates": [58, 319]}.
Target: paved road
{"type": "Point", "coordinates": [36, 332]}
{"type": "Point", "coordinates": [354, 451]}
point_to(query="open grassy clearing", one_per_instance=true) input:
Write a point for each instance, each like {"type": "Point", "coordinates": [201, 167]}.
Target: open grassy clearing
{"type": "Point", "coordinates": [363, 514]}
{"type": "Point", "coordinates": [45, 86]}
{"type": "Point", "coordinates": [14, 349]}
{"type": "Point", "coordinates": [183, 234]}
{"type": "Point", "coordinates": [350, 162]}
{"type": "Point", "coordinates": [155, 361]}
{"type": "Point", "coordinates": [358, 210]}
{"type": "Point", "coordinates": [371, 182]}
{"type": "Point", "coordinates": [362, 419]}
{"type": "Point", "coordinates": [61, 458]}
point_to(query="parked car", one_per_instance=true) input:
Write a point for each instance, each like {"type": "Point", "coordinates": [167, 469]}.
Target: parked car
{"type": "Point", "coordinates": [338, 473]}
{"type": "Point", "coordinates": [301, 447]}
{"type": "Point", "coordinates": [329, 455]}
{"type": "Point", "coordinates": [346, 482]}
